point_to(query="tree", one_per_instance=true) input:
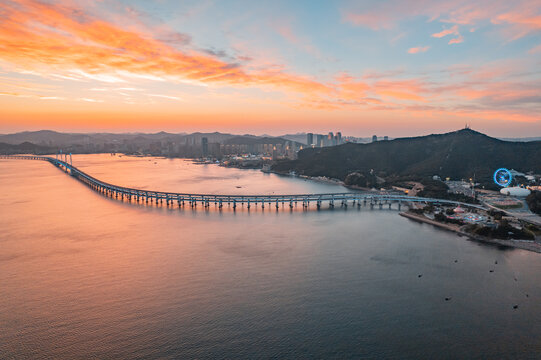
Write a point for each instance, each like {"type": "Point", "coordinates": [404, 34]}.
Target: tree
{"type": "Point", "coordinates": [534, 202]}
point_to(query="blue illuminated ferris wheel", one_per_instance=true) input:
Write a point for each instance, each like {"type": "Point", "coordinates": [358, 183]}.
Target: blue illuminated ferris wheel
{"type": "Point", "coordinates": [503, 177]}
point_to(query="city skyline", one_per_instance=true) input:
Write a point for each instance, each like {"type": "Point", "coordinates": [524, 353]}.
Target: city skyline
{"type": "Point", "coordinates": [394, 68]}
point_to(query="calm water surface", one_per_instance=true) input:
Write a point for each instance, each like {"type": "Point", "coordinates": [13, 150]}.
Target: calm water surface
{"type": "Point", "coordinates": [84, 276]}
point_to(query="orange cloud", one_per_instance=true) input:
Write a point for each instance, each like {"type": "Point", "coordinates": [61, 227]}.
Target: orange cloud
{"type": "Point", "coordinates": [60, 42]}
{"type": "Point", "coordinates": [401, 95]}
{"type": "Point", "coordinates": [411, 90]}
{"type": "Point", "coordinates": [46, 39]}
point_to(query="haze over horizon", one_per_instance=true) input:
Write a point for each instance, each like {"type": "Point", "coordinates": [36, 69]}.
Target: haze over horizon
{"type": "Point", "coordinates": [396, 68]}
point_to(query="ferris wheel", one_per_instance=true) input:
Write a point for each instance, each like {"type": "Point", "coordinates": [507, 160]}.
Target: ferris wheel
{"type": "Point", "coordinates": [503, 177]}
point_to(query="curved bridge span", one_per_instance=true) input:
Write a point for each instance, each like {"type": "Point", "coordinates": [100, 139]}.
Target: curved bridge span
{"type": "Point", "coordinates": [181, 199]}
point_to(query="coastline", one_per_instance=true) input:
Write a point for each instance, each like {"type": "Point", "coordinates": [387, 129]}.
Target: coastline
{"type": "Point", "coordinates": [519, 244]}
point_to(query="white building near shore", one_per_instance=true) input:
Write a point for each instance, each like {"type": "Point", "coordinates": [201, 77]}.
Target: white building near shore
{"type": "Point", "coordinates": [515, 191]}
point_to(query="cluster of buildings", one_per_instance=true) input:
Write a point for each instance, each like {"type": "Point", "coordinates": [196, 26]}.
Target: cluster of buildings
{"type": "Point", "coordinates": [319, 140]}
{"type": "Point", "coordinates": [375, 138]}
{"type": "Point", "coordinates": [331, 139]}
{"type": "Point", "coordinates": [198, 145]}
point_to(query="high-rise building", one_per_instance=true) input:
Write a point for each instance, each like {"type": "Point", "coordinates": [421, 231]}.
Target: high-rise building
{"type": "Point", "coordinates": [309, 139]}
{"type": "Point", "coordinates": [338, 138]}
{"type": "Point", "coordinates": [330, 139]}
{"type": "Point", "coordinates": [374, 138]}
{"type": "Point", "coordinates": [320, 140]}
{"type": "Point", "coordinates": [385, 138]}
{"type": "Point", "coordinates": [205, 146]}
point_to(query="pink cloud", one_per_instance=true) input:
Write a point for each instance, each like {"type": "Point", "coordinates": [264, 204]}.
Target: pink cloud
{"type": "Point", "coordinates": [374, 21]}
{"type": "Point", "coordinates": [514, 19]}
{"type": "Point", "coordinates": [453, 30]}
{"type": "Point", "coordinates": [418, 49]}
{"type": "Point", "coordinates": [535, 49]}
{"type": "Point", "coordinates": [286, 31]}
{"type": "Point", "coordinates": [457, 40]}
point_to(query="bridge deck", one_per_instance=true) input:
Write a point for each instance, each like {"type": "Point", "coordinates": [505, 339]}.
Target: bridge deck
{"type": "Point", "coordinates": [180, 198]}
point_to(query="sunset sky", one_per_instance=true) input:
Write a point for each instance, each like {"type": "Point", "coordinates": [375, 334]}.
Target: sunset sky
{"type": "Point", "coordinates": [394, 68]}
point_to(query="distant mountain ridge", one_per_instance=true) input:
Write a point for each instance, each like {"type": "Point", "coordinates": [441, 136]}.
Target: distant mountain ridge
{"type": "Point", "coordinates": [53, 138]}
{"type": "Point", "coordinates": [460, 154]}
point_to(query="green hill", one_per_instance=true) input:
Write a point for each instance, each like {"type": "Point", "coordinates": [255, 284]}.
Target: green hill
{"type": "Point", "coordinates": [459, 154]}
